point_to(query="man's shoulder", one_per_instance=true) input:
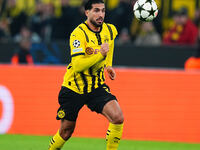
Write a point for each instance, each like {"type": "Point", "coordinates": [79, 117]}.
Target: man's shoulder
{"type": "Point", "coordinates": [78, 29]}
{"type": "Point", "coordinates": [112, 28]}
{"type": "Point", "coordinates": [111, 25]}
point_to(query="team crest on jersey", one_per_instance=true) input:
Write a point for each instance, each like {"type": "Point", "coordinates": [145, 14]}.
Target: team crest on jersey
{"type": "Point", "coordinates": [76, 43]}
{"type": "Point", "coordinates": [106, 39]}
{"type": "Point", "coordinates": [61, 114]}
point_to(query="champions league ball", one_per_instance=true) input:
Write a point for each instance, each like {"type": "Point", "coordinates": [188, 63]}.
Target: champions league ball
{"type": "Point", "coordinates": [145, 10]}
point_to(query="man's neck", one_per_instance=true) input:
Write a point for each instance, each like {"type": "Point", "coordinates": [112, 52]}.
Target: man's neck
{"type": "Point", "coordinates": [92, 27]}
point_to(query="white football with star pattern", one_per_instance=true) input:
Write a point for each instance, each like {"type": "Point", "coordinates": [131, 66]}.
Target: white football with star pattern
{"type": "Point", "coordinates": [145, 10]}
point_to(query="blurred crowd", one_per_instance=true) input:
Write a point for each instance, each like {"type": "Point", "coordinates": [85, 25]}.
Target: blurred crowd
{"type": "Point", "coordinates": [37, 21]}
{"type": "Point", "coordinates": [47, 20]}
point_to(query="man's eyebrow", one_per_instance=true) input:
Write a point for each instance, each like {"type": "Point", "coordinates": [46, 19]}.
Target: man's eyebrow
{"type": "Point", "coordinates": [99, 8]}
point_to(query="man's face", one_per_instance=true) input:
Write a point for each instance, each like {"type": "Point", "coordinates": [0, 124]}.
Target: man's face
{"type": "Point", "coordinates": [96, 15]}
{"type": "Point", "coordinates": [180, 19]}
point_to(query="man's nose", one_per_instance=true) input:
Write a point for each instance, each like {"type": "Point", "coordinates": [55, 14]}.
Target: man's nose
{"type": "Point", "coordinates": [101, 14]}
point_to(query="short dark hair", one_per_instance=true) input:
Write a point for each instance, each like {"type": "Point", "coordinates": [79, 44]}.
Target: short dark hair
{"type": "Point", "coordinates": [183, 11]}
{"type": "Point", "coordinates": [89, 3]}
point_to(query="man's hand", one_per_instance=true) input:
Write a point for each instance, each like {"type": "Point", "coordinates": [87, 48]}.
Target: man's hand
{"type": "Point", "coordinates": [111, 72]}
{"type": "Point", "coordinates": [104, 49]}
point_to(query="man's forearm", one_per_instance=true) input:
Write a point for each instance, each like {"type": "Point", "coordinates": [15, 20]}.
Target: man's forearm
{"type": "Point", "coordinates": [81, 63]}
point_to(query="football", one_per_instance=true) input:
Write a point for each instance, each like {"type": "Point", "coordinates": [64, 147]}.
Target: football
{"type": "Point", "coordinates": [145, 10]}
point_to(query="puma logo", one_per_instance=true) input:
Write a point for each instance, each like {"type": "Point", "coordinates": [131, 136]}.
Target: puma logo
{"type": "Point", "coordinates": [92, 41]}
{"type": "Point", "coordinates": [106, 89]}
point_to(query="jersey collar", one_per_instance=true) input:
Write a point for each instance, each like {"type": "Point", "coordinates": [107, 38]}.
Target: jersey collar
{"type": "Point", "coordinates": [92, 30]}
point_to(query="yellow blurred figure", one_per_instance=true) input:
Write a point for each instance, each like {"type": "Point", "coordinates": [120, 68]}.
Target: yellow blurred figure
{"type": "Point", "coordinates": [57, 6]}
{"type": "Point", "coordinates": [111, 4]}
{"type": "Point", "coordinates": [28, 6]}
{"type": "Point", "coordinates": [75, 3]}
{"type": "Point", "coordinates": [12, 9]}
{"type": "Point", "coordinates": [191, 6]}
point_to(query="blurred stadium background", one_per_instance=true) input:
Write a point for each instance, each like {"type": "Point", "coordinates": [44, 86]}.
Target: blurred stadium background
{"type": "Point", "coordinates": [158, 91]}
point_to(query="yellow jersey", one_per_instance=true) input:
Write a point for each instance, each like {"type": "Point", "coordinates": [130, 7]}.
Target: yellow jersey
{"type": "Point", "coordinates": [86, 69]}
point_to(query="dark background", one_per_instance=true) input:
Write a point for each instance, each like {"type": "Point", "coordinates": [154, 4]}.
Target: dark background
{"type": "Point", "coordinates": [126, 55]}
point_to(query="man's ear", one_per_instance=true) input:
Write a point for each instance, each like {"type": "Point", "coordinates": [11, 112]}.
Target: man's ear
{"type": "Point", "coordinates": [87, 12]}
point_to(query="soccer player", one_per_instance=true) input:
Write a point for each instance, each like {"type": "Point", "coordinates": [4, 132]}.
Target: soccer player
{"type": "Point", "coordinates": [92, 46]}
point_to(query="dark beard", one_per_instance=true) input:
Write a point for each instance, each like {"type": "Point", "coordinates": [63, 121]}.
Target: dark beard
{"type": "Point", "coordinates": [95, 24]}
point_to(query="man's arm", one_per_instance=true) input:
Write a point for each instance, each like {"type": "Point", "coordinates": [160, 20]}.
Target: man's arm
{"type": "Point", "coordinates": [111, 73]}
{"type": "Point", "coordinates": [81, 63]}
{"type": "Point", "coordinates": [109, 58]}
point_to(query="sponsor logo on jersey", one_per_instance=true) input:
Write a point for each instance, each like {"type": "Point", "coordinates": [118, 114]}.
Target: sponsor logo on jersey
{"type": "Point", "coordinates": [91, 51]}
